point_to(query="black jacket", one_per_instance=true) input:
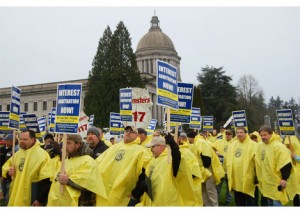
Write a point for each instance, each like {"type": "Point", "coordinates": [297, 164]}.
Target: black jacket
{"type": "Point", "coordinates": [99, 149]}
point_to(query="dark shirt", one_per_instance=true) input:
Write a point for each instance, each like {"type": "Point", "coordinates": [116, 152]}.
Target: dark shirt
{"type": "Point", "coordinates": [99, 149]}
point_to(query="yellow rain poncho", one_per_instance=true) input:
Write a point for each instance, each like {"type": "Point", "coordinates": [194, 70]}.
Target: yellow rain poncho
{"type": "Point", "coordinates": [120, 167]}
{"type": "Point", "coordinates": [83, 171]}
{"type": "Point", "coordinates": [293, 186]}
{"type": "Point", "coordinates": [217, 169]}
{"type": "Point", "coordinates": [240, 163]}
{"type": "Point", "coordinates": [222, 147]}
{"type": "Point", "coordinates": [164, 188]}
{"type": "Point", "coordinates": [189, 187]}
{"type": "Point", "coordinates": [31, 165]}
{"type": "Point", "coordinates": [270, 158]}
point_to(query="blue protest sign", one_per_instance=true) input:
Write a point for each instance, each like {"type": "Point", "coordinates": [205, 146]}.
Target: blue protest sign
{"type": "Point", "coordinates": [31, 123]}
{"type": "Point", "coordinates": [195, 122]}
{"type": "Point", "coordinates": [185, 100]}
{"type": "Point", "coordinates": [208, 123]}
{"type": "Point", "coordinates": [285, 122]}
{"type": "Point", "coordinates": [115, 123]}
{"type": "Point", "coordinates": [152, 126]}
{"type": "Point", "coordinates": [4, 119]}
{"type": "Point", "coordinates": [14, 115]}
{"type": "Point", "coordinates": [126, 104]}
{"type": "Point", "coordinates": [68, 108]}
{"type": "Point", "coordinates": [91, 121]}
{"type": "Point", "coordinates": [239, 119]}
{"type": "Point", "coordinates": [42, 126]}
{"type": "Point", "coordinates": [166, 81]}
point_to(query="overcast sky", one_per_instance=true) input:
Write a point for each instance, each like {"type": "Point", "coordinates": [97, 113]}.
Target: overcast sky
{"type": "Point", "coordinates": [49, 44]}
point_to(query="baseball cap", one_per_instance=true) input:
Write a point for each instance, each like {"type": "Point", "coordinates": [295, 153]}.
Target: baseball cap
{"type": "Point", "coordinates": [132, 128]}
{"type": "Point", "coordinates": [156, 141]}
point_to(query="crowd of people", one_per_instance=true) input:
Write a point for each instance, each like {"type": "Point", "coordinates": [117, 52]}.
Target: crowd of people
{"type": "Point", "coordinates": [161, 169]}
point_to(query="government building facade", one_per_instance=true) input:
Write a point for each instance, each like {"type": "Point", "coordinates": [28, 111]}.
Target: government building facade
{"type": "Point", "coordinates": [154, 45]}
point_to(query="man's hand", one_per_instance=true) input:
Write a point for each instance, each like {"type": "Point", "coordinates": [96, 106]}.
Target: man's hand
{"type": "Point", "coordinates": [283, 183]}
{"type": "Point", "coordinates": [36, 203]}
{"type": "Point", "coordinates": [63, 178]}
{"type": "Point", "coordinates": [11, 171]}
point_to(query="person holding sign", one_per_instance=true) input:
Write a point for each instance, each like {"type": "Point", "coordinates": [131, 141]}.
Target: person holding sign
{"type": "Point", "coordinates": [81, 178]}
{"type": "Point", "coordinates": [120, 166]}
{"type": "Point", "coordinates": [240, 166]}
{"type": "Point", "coordinates": [159, 181]}
{"type": "Point", "coordinates": [273, 167]}
{"type": "Point", "coordinates": [31, 165]}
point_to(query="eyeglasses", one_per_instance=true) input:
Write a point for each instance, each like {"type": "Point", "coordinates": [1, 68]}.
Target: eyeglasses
{"type": "Point", "coordinates": [228, 134]}
{"type": "Point", "coordinates": [129, 131]}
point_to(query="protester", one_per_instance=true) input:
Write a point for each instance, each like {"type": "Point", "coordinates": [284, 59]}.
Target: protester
{"type": "Point", "coordinates": [81, 179]}
{"type": "Point", "coordinates": [273, 167]}
{"type": "Point", "coordinates": [31, 165]}
{"type": "Point", "coordinates": [102, 138]}
{"type": "Point", "coordinates": [240, 164]}
{"type": "Point", "coordinates": [222, 146]}
{"type": "Point", "coordinates": [5, 154]}
{"type": "Point", "coordinates": [293, 186]}
{"type": "Point", "coordinates": [120, 166]}
{"type": "Point", "coordinates": [143, 135]}
{"type": "Point", "coordinates": [211, 167]}
{"type": "Point", "coordinates": [112, 140]}
{"type": "Point", "coordinates": [93, 139]}
{"type": "Point", "coordinates": [189, 175]}
{"type": "Point", "coordinates": [159, 181]}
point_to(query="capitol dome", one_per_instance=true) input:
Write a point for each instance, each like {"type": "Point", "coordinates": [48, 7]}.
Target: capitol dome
{"type": "Point", "coordinates": [155, 39]}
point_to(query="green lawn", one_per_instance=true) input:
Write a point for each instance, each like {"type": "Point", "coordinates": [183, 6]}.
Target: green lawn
{"type": "Point", "coordinates": [223, 193]}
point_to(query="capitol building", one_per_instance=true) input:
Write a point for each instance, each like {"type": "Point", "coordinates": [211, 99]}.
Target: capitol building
{"type": "Point", "coordinates": [154, 45]}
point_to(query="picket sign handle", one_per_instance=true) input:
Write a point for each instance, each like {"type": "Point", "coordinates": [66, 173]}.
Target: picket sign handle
{"type": "Point", "coordinates": [63, 159]}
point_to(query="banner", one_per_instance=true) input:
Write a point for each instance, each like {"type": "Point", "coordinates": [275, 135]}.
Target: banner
{"type": "Point", "coordinates": [195, 122]}
{"type": "Point", "coordinates": [141, 105]}
{"type": "Point", "coordinates": [14, 115]}
{"type": "Point", "coordinates": [114, 123]}
{"type": "Point", "coordinates": [152, 126]}
{"type": "Point", "coordinates": [4, 119]}
{"type": "Point", "coordinates": [208, 123]}
{"type": "Point", "coordinates": [166, 81]}
{"type": "Point", "coordinates": [83, 125]}
{"type": "Point", "coordinates": [239, 119]}
{"type": "Point", "coordinates": [68, 108]}
{"type": "Point", "coordinates": [42, 126]}
{"type": "Point", "coordinates": [185, 100]}
{"type": "Point", "coordinates": [285, 122]}
{"type": "Point", "coordinates": [31, 123]}
{"type": "Point", "coordinates": [126, 104]}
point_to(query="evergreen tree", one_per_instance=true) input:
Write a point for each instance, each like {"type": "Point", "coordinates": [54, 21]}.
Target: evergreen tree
{"type": "Point", "coordinates": [218, 95]}
{"type": "Point", "coordinates": [114, 67]}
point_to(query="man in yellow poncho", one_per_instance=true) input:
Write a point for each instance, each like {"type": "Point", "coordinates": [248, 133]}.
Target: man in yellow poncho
{"type": "Point", "coordinates": [102, 138]}
{"type": "Point", "coordinates": [120, 166]}
{"type": "Point", "coordinates": [222, 146]}
{"type": "Point", "coordinates": [189, 175]}
{"type": "Point", "coordinates": [212, 167]}
{"type": "Point", "coordinates": [159, 181]}
{"type": "Point", "coordinates": [144, 138]}
{"type": "Point", "coordinates": [240, 164]}
{"type": "Point", "coordinates": [273, 167]}
{"type": "Point", "coordinates": [31, 166]}
{"type": "Point", "coordinates": [81, 179]}
{"type": "Point", "coordinates": [293, 186]}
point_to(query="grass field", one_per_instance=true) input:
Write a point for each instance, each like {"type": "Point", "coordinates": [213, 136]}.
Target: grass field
{"type": "Point", "coordinates": [232, 204]}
